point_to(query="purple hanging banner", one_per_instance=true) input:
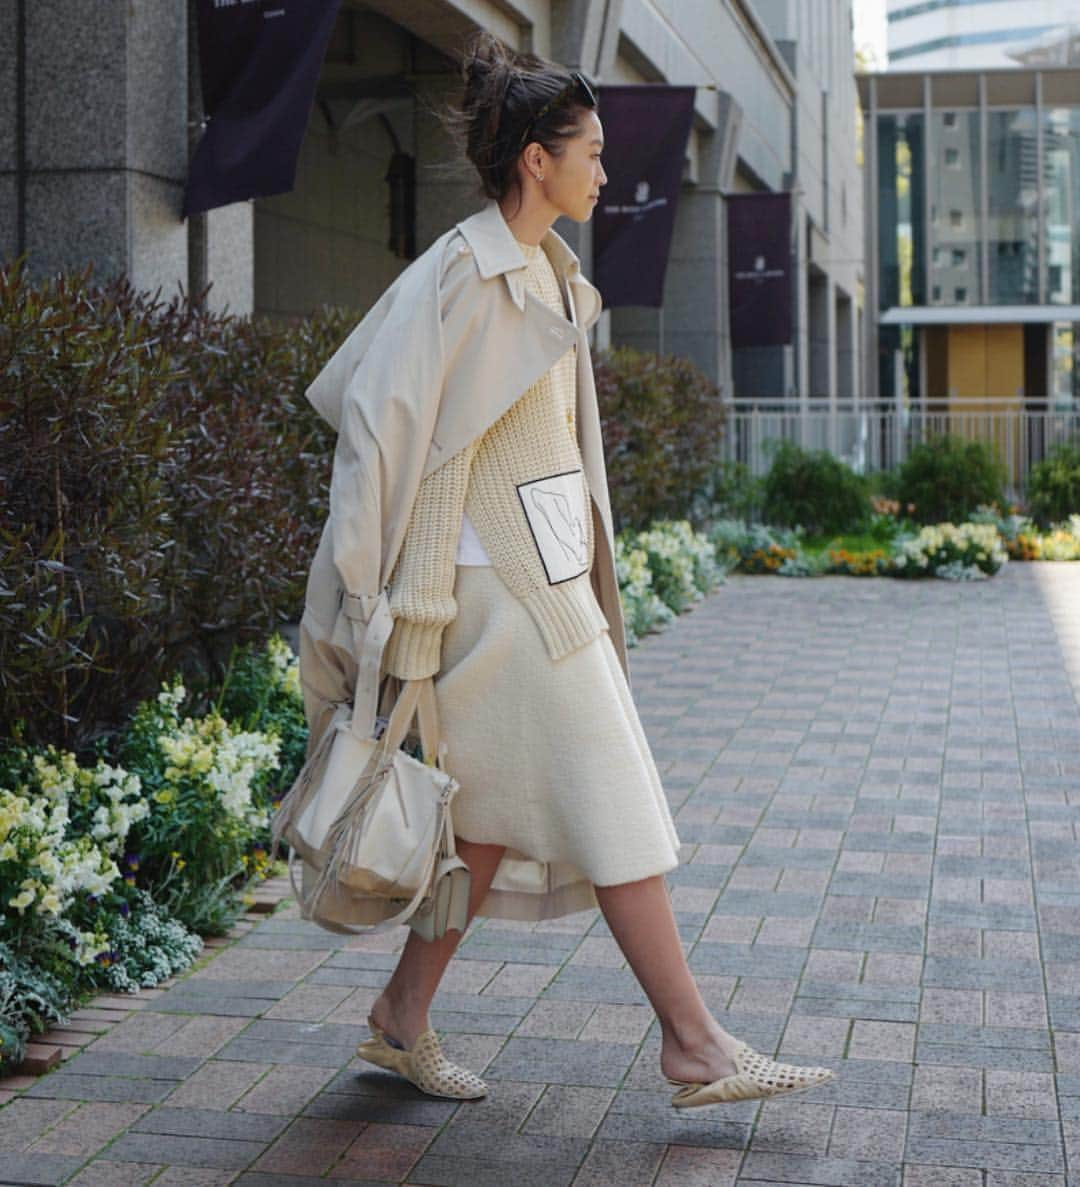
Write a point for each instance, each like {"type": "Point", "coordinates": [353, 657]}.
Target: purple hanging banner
{"type": "Point", "coordinates": [759, 263]}
{"type": "Point", "coordinates": [645, 133]}
{"type": "Point", "coordinates": [259, 61]}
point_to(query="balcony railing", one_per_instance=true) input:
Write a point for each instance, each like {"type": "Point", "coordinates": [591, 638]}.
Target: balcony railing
{"type": "Point", "coordinates": [871, 437]}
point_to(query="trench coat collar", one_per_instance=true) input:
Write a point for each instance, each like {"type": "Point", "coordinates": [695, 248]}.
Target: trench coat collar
{"type": "Point", "coordinates": [497, 253]}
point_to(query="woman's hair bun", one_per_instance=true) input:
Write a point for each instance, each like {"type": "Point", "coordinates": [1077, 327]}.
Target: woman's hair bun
{"type": "Point", "coordinates": [504, 90]}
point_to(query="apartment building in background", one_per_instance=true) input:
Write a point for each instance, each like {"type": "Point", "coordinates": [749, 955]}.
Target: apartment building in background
{"type": "Point", "coordinates": [973, 34]}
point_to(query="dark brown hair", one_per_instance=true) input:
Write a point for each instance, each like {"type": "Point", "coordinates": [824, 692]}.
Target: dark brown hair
{"type": "Point", "coordinates": [510, 100]}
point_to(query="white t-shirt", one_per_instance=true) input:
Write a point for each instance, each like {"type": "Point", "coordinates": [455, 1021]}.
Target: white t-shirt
{"type": "Point", "coordinates": [469, 550]}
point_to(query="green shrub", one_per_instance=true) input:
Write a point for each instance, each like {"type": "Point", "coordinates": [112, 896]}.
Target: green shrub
{"type": "Point", "coordinates": [730, 491]}
{"type": "Point", "coordinates": [162, 488]}
{"type": "Point", "coordinates": [1053, 490]}
{"type": "Point", "coordinates": [814, 490]}
{"type": "Point", "coordinates": [663, 424]}
{"type": "Point", "coordinates": [947, 477]}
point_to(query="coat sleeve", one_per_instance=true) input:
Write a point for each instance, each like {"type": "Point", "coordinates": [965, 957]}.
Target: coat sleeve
{"type": "Point", "coordinates": [422, 586]}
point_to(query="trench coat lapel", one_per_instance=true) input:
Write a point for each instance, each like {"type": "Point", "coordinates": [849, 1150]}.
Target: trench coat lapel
{"type": "Point", "coordinates": [480, 385]}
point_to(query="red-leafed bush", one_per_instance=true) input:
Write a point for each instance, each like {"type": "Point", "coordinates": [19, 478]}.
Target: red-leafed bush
{"type": "Point", "coordinates": [162, 486]}
{"type": "Point", "coordinates": [663, 424]}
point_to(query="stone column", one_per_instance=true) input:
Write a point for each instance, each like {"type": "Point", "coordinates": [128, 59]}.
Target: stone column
{"type": "Point", "coordinates": [105, 134]}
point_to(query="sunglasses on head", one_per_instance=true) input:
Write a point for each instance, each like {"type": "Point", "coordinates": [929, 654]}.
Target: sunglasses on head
{"type": "Point", "coordinates": [578, 84]}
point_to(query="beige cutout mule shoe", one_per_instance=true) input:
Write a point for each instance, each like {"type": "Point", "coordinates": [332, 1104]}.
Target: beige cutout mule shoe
{"type": "Point", "coordinates": [756, 1076]}
{"type": "Point", "coordinates": [423, 1064]}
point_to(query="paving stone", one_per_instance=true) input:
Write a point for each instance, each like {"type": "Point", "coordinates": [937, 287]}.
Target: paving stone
{"type": "Point", "coordinates": [983, 1129]}
{"type": "Point", "coordinates": [25, 1119]}
{"type": "Point", "coordinates": [201, 1036]}
{"type": "Point", "coordinates": [383, 1152]}
{"type": "Point", "coordinates": [1021, 1094]}
{"type": "Point", "coordinates": [876, 1135]}
{"type": "Point", "coordinates": [613, 986]}
{"type": "Point", "coordinates": [991, 1155]}
{"type": "Point", "coordinates": [34, 1169]}
{"type": "Point", "coordinates": [445, 1171]}
{"type": "Point", "coordinates": [282, 1051]}
{"type": "Point", "coordinates": [1023, 976]}
{"type": "Point", "coordinates": [695, 1166]}
{"type": "Point", "coordinates": [210, 1123]}
{"type": "Point", "coordinates": [188, 1150]}
{"type": "Point", "coordinates": [283, 1090]}
{"type": "Point", "coordinates": [792, 1127]}
{"type": "Point", "coordinates": [557, 1061]}
{"type": "Point", "coordinates": [555, 1019]}
{"type": "Point", "coordinates": [566, 1111]}
{"type": "Point", "coordinates": [947, 1089]}
{"type": "Point", "coordinates": [309, 1146]}
{"type": "Point", "coordinates": [63, 1086]}
{"type": "Point", "coordinates": [620, 1164]}
{"type": "Point", "coordinates": [86, 1130]}
{"type": "Point", "coordinates": [104, 1173]}
{"type": "Point", "coordinates": [942, 1176]}
{"type": "Point", "coordinates": [140, 1032]}
{"type": "Point", "coordinates": [829, 1172]}
{"type": "Point", "coordinates": [122, 1063]}
{"type": "Point", "coordinates": [218, 1084]}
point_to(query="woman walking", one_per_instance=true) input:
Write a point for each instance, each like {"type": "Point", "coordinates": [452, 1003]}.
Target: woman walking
{"type": "Point", "coordinates": [495, 527]}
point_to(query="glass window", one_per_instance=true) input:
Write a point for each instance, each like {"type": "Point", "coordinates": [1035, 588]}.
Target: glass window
{"type": "Point", "coordinates": [1013, 231]}
{"type": "Point", "coordinates": [952, 158]}
{"type": "Point", "coordinates": [1066, 365]}
{"type": "Point", "coordinates": [901, 194]}
{"type": "Point", "coordinates": [955, 192]}
{"type": "Point", "coordinates": [1061, 195]}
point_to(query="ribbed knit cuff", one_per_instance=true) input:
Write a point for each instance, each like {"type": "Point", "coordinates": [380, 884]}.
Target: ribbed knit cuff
{"type": "Point", "coordinates": [568, 615]}
{"type": "Point", "coordinates": [414, 650]}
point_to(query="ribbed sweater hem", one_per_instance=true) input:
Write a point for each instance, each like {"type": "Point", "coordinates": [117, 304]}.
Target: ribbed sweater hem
{"type": "Point", "coordinates": [568, 615]}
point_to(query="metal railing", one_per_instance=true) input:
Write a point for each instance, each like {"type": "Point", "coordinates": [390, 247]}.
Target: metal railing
{"type": "Point", "coordinates": [871, 437]}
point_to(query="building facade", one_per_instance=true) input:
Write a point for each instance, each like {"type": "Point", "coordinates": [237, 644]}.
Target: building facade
{"type": "Point", "coordinates": [972, 34]}
{"type": "Point", "coordinates": [97, 128]}
{"type": "Point", "coordinates": [973, 238]}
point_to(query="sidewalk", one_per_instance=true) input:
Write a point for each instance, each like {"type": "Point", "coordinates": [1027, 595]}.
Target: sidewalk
{"type": "Point", "coordinates": [878, 789]}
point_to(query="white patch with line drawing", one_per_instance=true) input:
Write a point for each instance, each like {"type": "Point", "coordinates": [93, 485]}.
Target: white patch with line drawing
{"type": "Point", "coordinates": [555, 508]}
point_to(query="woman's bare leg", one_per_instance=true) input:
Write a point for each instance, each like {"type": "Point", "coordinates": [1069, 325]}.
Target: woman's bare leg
{"type": "Point", "coordinates": [695, 1047]}
{"type": "Point", "coordinates": [402, 1008]}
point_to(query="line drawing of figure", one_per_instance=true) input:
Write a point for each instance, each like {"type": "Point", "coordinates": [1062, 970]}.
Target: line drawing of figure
{"type": "Point", "coordinates": [565, 526]}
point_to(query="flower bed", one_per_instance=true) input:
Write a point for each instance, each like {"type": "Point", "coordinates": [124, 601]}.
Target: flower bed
{"type": "Point", "coordinates": [663, 571]}
{"type": "Point", "coordinates": [110, 869]}
{"type": "Point", "coordinates": [964, 552]}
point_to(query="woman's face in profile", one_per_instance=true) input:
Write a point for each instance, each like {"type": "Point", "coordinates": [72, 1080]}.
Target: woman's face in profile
{"type": "Point", "coordinates": [575, 178]}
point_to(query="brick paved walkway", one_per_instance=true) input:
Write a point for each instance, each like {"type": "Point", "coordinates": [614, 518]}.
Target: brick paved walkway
{"type": "Point", "coordinates": [878, 787]}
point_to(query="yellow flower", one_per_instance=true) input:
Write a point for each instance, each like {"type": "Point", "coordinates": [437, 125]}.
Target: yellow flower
{"type": "Point", "coordinates": [165, 796]}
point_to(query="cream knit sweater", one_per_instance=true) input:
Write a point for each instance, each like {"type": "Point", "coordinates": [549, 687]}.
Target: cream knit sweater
{"type": "Point", "coordinates": [536, 438]}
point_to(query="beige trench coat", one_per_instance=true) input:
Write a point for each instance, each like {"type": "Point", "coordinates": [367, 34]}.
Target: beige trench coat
{"type": "Point", "coordinates": [446, 350]}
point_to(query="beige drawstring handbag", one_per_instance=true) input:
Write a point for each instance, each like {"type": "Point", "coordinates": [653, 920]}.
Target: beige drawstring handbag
{"type": "Point", "coordinates": [369, 822]}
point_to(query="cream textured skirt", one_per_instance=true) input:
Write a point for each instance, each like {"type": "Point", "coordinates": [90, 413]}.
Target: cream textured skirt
{"type": "Point", "coordinates": [551, 757]}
